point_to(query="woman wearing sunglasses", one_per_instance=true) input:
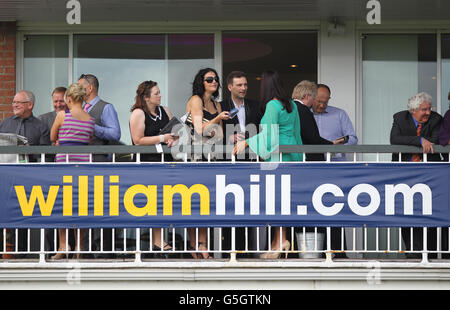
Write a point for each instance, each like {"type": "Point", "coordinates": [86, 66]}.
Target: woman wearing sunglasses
{"type": "Point", "coordinates": [207, 116]}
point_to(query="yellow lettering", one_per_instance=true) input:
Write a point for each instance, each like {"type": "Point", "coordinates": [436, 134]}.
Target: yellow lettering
{"type": "Point", "coordinates": [98, 195]}
{"type": "Point", "coordinates": [27, 206]}
{"type": "Point", "coordinates": [114, 196]}
{"type": "Point", "coordinates": [149, 191]}
{"type": "Point", "coordinates": [186, 198]}
{"type": "Point", "coordinates": [83, 191]}
{"type": "Point", "coordinates": [67, 196]}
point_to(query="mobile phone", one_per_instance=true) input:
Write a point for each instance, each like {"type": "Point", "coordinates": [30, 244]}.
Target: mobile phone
{"type": "Point", "coordinates": [344, 137]}
{"type": "Point", "coordinates": [233, 112]}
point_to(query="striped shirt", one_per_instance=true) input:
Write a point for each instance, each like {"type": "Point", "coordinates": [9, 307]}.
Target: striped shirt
{"type": "Point", "coordinates": [74, 132]}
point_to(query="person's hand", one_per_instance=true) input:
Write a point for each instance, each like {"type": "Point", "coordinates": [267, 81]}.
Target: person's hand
{"type": "Point", "coordinates": [339, 141]}
{"type": "Point", "coordinates": [427, 146]}
{"type": "Point", "coordinates": [239, 147]}
{"type": "Point", "coordinates": [173, 140]}
{"type": "Point", "coordinates": [224, 115]}
{"type": "Point", "coordinates": [236, 138]}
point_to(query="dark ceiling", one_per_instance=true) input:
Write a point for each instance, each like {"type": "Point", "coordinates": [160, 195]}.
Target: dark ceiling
{"type": "Point", "coordinates": [220, 10]}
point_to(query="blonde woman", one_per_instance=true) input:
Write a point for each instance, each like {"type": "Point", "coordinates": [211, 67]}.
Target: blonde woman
{"type": "Point", "coordinates": [72, 127]}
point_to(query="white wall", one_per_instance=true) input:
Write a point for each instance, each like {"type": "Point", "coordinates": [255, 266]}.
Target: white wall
{"type": "Point", "coordinates": [337, 67]}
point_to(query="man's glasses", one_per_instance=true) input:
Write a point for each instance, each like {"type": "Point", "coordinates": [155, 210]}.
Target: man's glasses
{"type": "Point", "coordinates": [210, 79]}
{"type": "Point", "coordinates": [19, 102]}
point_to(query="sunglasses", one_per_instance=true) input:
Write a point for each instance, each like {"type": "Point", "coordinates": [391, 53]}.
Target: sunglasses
{"type": "Point", "coordinates": [210, 79]}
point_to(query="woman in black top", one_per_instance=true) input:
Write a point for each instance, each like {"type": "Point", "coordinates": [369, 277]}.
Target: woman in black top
{"type": "Point", "coordinates": [148, 118]}
{"type": "Point", "coordinates": [146, 121]}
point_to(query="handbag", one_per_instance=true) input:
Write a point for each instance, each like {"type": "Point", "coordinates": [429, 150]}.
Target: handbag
{"type": "Point", "coordinates": [169, 128]}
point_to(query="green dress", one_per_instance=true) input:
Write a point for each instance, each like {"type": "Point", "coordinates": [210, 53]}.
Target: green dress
{"type": "Point", "coordinates": [278, 127]}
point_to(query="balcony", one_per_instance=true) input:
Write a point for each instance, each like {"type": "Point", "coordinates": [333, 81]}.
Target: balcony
{"type": "Point", "coordinates": [338, 255]}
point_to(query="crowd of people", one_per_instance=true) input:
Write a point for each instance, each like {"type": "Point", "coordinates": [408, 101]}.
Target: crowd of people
{"type": "Point", "coordinates": [81, 117]}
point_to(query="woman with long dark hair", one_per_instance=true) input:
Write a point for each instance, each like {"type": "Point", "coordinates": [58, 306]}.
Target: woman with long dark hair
{"type": "Point", "coordinates": [206, 113]}
{"type": "Point", "coordinates": [280, 125]}
{"type": "Point", "coordinates": [207, 116]}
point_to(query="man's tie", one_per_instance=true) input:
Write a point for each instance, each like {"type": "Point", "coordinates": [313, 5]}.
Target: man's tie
{"type": "Point", "coordinates": [416, 157]}
{"type": "Point", "coordinates": [86, 107]}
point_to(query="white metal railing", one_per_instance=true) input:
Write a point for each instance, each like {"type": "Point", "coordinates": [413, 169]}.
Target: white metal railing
{"type": "Point", "coordinates": [225, 244]}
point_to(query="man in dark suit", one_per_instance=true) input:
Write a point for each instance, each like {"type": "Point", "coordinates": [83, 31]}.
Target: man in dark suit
{"type": "Point", "coordinates": [58, 105]}
{"type": "Point", "coordinates": [245, 124]}
{"type": "Point", "coordinates": [304, 94]}
{"type": "Point", "coordinates": [418, 126]}
{"type": "Point", "coordinates": [406, 126]}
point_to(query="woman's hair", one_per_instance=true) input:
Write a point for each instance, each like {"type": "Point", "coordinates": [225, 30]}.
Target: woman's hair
{"type": "Point", "coordinates": [144, 90]}
{"type": "Point", "coordinates": [75, 92]}
{"type": "Point", "coordinates": [197, 86]}
{"type": "Point", "coordinates": [272, 87]}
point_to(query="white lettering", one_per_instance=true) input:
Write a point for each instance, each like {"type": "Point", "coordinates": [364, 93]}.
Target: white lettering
{"type": "Point", "coordinates": [374, 16]}
{"type": "Point", "coordinates": [317, 199]}
{"type": "Point", "coordinates": [222, 190]}
{"type": "Point", "coordinates": [74, 15]}
{"type": "Point", "coordinates": [408, 198]}
{"type": "Point", "coordinates": [374, 199]}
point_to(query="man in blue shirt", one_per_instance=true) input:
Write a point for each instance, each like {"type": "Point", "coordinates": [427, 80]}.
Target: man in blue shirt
{"type": "Point", "coordinates": [107, 128]}
{"type": "Point", "coordinates": [106, 131]}
{"type": "Point", "coordinates": [333, 123]}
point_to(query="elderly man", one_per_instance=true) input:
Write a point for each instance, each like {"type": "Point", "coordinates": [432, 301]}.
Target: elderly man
{"type": "Point", "coordinates": [333, 123]}
{"type": "Point", "coordinates": [25, 124]}
{"type": "Point", "coordinates": [418, 126]}
{"type": "Point", "coordinates": [58, 105]}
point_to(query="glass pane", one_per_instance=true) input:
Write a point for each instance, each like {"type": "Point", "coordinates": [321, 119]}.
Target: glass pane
{"type": "Point", "coordinates": [445, 52]}
{"type": "Point", "coordinates": [45, 67]}
{"type": "Point", "coordinates": [292, 53]}
{"type": "Point", "coordinates": [122, 62]}
{"type": "Point", "coordinates": [187, 54]}
{"type": "Point", "coordinates": [395, 67]}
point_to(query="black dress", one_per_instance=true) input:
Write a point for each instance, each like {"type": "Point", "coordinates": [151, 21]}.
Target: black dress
{"type": "Point", "coordinates": [153, 126]}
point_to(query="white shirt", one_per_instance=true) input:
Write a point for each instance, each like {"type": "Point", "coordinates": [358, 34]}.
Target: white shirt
{"type": "Point", "coordinates": [241, 114]}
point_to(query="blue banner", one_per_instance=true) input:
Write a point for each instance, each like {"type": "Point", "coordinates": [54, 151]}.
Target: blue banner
{"type": "Point", "coordinates": [224, 194]}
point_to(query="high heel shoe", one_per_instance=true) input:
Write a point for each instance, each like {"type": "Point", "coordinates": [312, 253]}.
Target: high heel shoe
{"type": "Point", "coordinates": [275, 255]}
{"type": "Point", "coordinates": [61, 253]}
{"type": "Point", "coordinates": [201, 246]}
{"type": "Point", "coordinates": [166, 253]}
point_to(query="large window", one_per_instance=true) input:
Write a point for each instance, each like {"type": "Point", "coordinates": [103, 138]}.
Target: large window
{"type": "Point", "coordinates": [395, 67]}
{"type": "Point", "coordinates": [46, 60]}
{"type": "Point", "coordinates": [292, 53]}
{"type": "Point", "coordinates": [121, 63]}
{"type": "Point", "coordinates": [445, 83]}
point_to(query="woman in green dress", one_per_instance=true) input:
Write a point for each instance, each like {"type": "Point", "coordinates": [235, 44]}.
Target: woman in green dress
{"type": "Point", "coordinates": [280, 125]}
